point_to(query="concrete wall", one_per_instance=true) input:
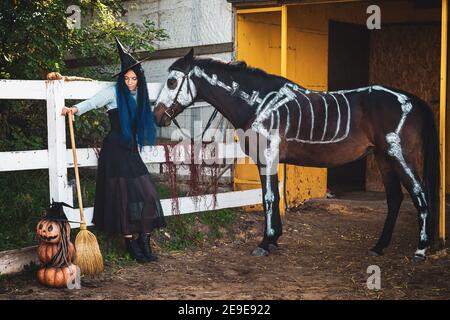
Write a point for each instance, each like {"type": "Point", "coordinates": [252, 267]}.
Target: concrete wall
{"type": "Point", "coordinates": [188, 22]}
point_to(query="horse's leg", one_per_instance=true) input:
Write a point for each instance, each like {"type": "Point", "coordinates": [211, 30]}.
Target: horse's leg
{"type": "Point", "coordinates": [409, 178]}
{"type": "Point", "coordinates": [394, 198]}
{"type": "Point", "coordinates": [272, 225]}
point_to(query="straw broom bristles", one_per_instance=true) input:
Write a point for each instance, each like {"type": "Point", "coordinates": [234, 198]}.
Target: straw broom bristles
{"type": "Point", "coordinates": [88, 256]}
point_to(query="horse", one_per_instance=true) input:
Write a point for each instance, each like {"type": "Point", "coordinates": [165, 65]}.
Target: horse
{"type": "Point", "coordinates": [318, 129]}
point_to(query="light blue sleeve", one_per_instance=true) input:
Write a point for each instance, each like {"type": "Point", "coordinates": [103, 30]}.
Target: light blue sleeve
{"type": "Point", "coordinates": [102, 98]}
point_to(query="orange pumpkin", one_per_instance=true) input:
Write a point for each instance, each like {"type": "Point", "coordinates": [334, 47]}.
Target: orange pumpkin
{"type": "Point", "coordinates": [50, 231]}
{"type": "Point", "coordinates": [57, 277]}
{"type": "Point", "coordinates": [46, 251]}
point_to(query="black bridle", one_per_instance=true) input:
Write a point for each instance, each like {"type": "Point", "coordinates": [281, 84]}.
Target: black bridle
{"type": "Point", "coordinates": [175, 101]}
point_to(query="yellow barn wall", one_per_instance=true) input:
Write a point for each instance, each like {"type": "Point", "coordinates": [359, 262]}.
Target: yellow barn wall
{"type": "Point", "coordinates": [256, 33]}
{"type": "Point", "coordinates": [261, 33]}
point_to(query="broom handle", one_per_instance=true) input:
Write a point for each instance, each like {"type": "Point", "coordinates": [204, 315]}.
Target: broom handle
{"type": "Point", "coordinates": [77, 176]}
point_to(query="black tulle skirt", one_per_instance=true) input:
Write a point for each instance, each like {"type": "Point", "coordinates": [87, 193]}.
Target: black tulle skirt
{"type": "Point", "coordinates": [126, 200]}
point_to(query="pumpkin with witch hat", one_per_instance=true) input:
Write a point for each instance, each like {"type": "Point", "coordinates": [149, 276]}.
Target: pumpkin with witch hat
{"type": "Point", "coordinates": [55, 251]}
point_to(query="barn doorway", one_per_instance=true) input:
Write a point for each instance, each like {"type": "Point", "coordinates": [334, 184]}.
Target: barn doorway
{"type": "Point", "coordinates": [348, 68]}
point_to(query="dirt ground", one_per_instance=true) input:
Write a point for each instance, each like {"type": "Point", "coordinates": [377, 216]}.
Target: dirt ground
{"type": "Point", "coordinates": [322, 255]}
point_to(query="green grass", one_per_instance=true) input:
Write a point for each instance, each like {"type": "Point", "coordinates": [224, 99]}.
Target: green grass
{"type": "Point", "coordinates": [217, 221]}
{"type": "Point", "coordinates": [190, 231]}
{"type": "Point", "coordinates": [24, 198]}
{"type": "Point", "coordinates": [179, 234]}
{"type": "Point", "coordinates": [112, 249]}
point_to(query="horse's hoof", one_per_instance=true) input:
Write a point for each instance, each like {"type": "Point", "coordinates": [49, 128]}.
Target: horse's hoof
{"type": "Point", "coordinates": [273, 247]}
{"type": "Point", "coordinates": [419, 258]}
{"type": "Point", "coordinates": [260, 252]}
{"type": "Point", "coordinates": [375, 253]}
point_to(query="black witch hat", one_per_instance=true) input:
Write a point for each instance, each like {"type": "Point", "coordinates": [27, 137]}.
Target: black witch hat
{"type": "Point", "coordinates": [126, 59]}
{"type": "Point", "coordinates": [56, 212]}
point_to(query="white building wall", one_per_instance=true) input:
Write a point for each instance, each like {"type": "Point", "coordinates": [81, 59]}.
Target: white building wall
{"type": "Point", "coordinates": [188, 22]}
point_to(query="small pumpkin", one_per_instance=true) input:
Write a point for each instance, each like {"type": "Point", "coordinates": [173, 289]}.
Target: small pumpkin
{"type": "Point", "coordinates": [50, 231]}
{"type": "Point", "coordinates": [46, 251]}
{"type": "Point", "coordinates": [57, 277]}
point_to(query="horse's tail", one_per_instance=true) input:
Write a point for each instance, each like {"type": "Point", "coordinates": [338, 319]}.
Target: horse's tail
{"type": "Point", "coordinates": [431, 170]}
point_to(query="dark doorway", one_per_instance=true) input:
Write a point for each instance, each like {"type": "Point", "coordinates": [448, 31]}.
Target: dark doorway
{"type": "Point", "coordinates": [348, 68]}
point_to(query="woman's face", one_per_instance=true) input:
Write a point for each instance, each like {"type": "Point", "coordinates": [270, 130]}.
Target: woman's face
{"type": "Point", "coordinates": [131, 80]}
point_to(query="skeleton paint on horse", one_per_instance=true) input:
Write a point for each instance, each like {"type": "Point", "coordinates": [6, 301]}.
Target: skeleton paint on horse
{"type": "Point", "coordinates": [318, 129]}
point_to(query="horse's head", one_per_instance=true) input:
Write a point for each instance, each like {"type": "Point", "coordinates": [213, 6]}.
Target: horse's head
{"type": "Point", "coordinates": [178, 92]}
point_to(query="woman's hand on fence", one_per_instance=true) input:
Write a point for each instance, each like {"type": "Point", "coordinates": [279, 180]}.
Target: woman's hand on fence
{"type": "Point", "coordinates": [66, 110]}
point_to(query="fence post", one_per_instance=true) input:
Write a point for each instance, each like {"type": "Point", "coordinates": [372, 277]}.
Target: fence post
{"type": "Point", "coordinates": [57, 171]}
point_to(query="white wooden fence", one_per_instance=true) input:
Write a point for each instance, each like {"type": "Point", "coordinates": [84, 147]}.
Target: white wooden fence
{"type": "Point", "coordinates": [58, 158]}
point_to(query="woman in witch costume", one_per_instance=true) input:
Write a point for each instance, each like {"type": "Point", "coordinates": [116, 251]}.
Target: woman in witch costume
{"type": "Point", "coordinates": [126, 201]}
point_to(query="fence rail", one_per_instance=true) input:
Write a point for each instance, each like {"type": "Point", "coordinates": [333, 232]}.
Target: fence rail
{"type": "Point", "coordinates": [57, 159]}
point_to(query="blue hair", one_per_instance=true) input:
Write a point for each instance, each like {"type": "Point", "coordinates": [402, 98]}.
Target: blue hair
{"type": "Point", "coordinates": [137, 121]}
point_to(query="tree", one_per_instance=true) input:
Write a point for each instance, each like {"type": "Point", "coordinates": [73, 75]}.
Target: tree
{"type": "Point", "coordinates": [36, 36]}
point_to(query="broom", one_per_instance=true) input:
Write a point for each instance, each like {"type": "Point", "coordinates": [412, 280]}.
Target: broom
{"type": "Point", "coordinates": [88, 255]}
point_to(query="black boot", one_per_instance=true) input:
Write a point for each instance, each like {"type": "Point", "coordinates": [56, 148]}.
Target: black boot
{"type": "Point", "coordinates": [144, 242]}
{"type": "Point", "coordinates": [135, 251]}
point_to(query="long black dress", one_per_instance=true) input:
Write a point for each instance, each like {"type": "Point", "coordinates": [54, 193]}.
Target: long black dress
{"type": "Point", "coordinates": [126, 200]}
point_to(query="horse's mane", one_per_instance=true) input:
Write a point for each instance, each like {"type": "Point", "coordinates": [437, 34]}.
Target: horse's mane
{"type": "Point", "coordinates": [239, 69]}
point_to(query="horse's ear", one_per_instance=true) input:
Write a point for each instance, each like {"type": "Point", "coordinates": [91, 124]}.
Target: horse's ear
{"type": "Point", "coordinates": [239, 63]}
{"type": "Point", "coordinates": [190, 55]}
{"type": "Point", "coordinates": [188, 59]}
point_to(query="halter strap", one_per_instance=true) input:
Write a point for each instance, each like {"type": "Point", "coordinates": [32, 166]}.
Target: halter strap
{"type": "Point", "coordinates": [175, 100]}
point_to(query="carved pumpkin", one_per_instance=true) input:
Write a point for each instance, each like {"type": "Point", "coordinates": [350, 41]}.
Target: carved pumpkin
{"type": "Point", "coordinates": [55, 250]}
{"type": "Point", "coordinates": [46, 251]}
{"type": "Point", "coordinates": [50, 231]}
{"type": "Point", "coordinates": [57, 277]}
